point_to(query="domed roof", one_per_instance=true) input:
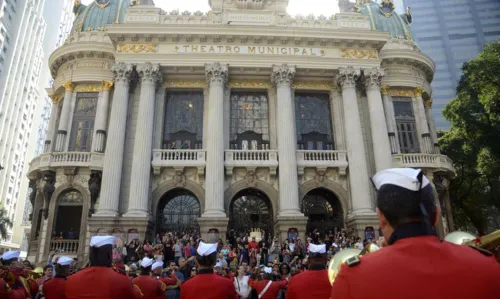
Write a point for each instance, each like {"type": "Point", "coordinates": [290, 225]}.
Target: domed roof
{"type": "Point", "coordinates": [98, 13]}
{"type": "Point", "coordinates": [384, 18]}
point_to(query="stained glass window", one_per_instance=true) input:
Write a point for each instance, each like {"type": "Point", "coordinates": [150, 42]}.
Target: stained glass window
{"type": "Point", "coordinates": [249, 113]}
{"type": "Point", "coordinates": [406, 125]}
{"type": "Point", "coordinates": [71, 198]}
{"type": "Point", "coordinates": [180, 213]}
{"type": "Point", "coordinates": [183, 120]}
{"type": "Point", "coordinates": [313, 122]}
{"type": "Point", "coordinates": [82, 128]}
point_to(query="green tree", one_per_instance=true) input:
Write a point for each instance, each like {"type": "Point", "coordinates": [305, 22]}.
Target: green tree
{"type": "Point", "coordinates": [5, 223]}
{"type": "Point", "coordinates": [473, 141]}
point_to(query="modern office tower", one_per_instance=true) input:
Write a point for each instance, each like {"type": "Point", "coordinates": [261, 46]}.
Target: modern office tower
{"type": "Point", "coordinates": [452, 32]}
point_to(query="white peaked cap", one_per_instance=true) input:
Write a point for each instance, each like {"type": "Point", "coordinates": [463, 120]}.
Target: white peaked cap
{"type": "Point", "coordinates": [317, 248]}
{"type": "Point", "coordinates": [402, 177]}
{"type": "Point", "coordinates": [146, 262]}
{"type": "Point", "coordinates": [98, 241]}
{"type": "Point", "coordinates": [158, 264]}
{"type": "Point", "coordinates": [268, 270]}
{"type": "Point", "coordinates": [8, 255]}
{"type": "Point", "coordinates": [64, 261]}
{"type": "Point", "coordinates": [205, 249]}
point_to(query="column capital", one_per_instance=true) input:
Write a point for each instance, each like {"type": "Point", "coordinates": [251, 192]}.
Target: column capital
{"type": "Point", "coordinates": [69, 86]}
{"type": "Point", "coordinates": [55, 98]}
{"type": "Point", "coordinates": [347, 77]}
{"type": "Point", "coordinates": [107, 85]}
{"type": "Point", "coordinates": [216, 73]}
{"type": "Point", "coordinates": [418, 91]}
{"type": "Point", "coordinates": [122, 71]}
{"type": "Point", "coordinates": [149, 72]}
{"type": "Point", "coordinates": [384, 89]}
{"type": "Point", "coordinates": [373, 77]}
{"type": "Point", "coordinates": [428, 104]}
{"type": "Point", "coordinates": [282, 74]}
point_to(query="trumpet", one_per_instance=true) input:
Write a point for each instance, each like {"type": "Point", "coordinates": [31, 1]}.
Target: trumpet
{"type": "Point", "coordinates": [342, 256]}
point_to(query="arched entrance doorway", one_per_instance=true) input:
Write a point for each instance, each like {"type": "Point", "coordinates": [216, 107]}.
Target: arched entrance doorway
{"type": "Point", "coordinates": [250, 209]}
{"type": "Point", "coordinates": [323, 210]}
{"type": "Point", "coordinates": [178, 212]}
{"type": "Point", "coordinates": [68, 216]}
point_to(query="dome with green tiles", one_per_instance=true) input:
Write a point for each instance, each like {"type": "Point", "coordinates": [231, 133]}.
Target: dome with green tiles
{"type": "Point", "coordinates": [384, 18]}
{"type": "Point", "coordinates": [97, 14]}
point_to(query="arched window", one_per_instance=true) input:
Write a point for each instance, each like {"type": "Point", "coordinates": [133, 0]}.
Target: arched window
{"type": "Point", "coordinates": [313, 122]}
{"type": "Point", "coordinates": [323, 210]}
{"type": "Point", "coordinates": [250, 209]}
{"type": "Point", "coordinates": [178, 212]}
{"type": "Point", "coordinates": [71, 198]}
{"type": "Point", "coordinates": [406, 125]}
{"type": "Point", "coordinates": [68, 215]}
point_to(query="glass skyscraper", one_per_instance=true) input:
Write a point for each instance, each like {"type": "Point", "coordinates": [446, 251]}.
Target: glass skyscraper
{"type": "Point", "coordinates": [452, 32]}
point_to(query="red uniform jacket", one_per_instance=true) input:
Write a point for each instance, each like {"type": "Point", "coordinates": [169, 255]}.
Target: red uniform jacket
{"type": "Point", "coordinates": [99, 283]}
{"type": "Point", "coordinates": [151, 288]}
{"type": "Point", "coordinates": [208, 286]}
{"type": "Point", "coordinates": [272, 291]}
{"type": "Point", "coordinates": [137, 292]}
{"type": "Point", "coordinates": [420, 267]}
{"type": "Point", "coordinates": [54, 288]}
{"type": "Point", "coordinates": [309, 284]}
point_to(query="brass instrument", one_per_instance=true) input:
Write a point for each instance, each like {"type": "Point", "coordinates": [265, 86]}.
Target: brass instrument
{"type": "Point", "coordinates": [460, 238]}
{"type": "Point", "coordinates": [35, 274]}
{"type": "Point", "coordinates": [342, 256]}
{"type": "Point", "coordinates": [370, 248]}
{"type": "Point", "coordinates": [487, 242]}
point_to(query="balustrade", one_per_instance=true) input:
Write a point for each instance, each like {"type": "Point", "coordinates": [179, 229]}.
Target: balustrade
{"type": "Point", "coordinates": [251, 159]}
{"type": "Point", "coordinates": [66, 159]}
{"type": "Point", "coordinates": [321, 159]}
{"type": "Point", "coordinates": [64, 246]}
{"type": "Point", "coordinates": [423, 161]}
{"type": "Point", "coordinates": [178, 158]}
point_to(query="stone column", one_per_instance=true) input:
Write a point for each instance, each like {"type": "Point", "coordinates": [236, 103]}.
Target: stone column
{"type": "Point", "coordinates": [358, 169]}
{"type": "Point", "coordinates": [424, 127]}
{"type": "Point", "coordinates": [52, 123]}
{"type": "Point", "coordinates": [217, 75]}
{"type": "Point", "coordinates": [101, 118]}
{"type": "Point", "coordinates": [138, 201]}
{"type": "Point", "coordinates": [390, 120]}
{"type": "Point", "coordinates": [159, 117]}
{"type": "Point", "coordinates": [282, 78]}
{"type": "Point", "coordinates": [63, 121]}
{"type": "Point", "coordinates": [432, 126]}
{"type": "Point", "coordinates": [337, 119]}
{"type": "Point", "coordinates": [378, 123]}
{"type": "Point", "coordinates": [113, 158]}
{"type": "Point", "coordinates": [273, 137]}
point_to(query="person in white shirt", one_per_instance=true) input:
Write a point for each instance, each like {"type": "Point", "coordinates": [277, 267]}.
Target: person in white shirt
{"type": "Point", "coordinates": [241, 284]}
{"type": "Point", "coordinates": [359, 244]}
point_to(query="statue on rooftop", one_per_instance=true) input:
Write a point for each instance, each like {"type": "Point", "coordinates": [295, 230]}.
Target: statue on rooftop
{"type": "Point", "coordinates": [78, 7]}
{"type": "Point", "coordinates": [348, 6]}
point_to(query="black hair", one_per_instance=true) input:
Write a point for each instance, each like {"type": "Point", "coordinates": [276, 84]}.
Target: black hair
{"type": "Point", "coordinates": [101, 256]}
{"type": "Point", "coordinates": [207, 260]}
{"type": "Point", "coordinates": [145, 270]}
{"type": "Point", "coordinates": [317, 258]}
{"type": "Point", "coordinates": [400, 205]}
{"type": "Point", "coordinates": [62, 270]}
{"type": "Point", "coordinates": [287, 267]}
{"type": "Point", "coordinates": [47, 267]}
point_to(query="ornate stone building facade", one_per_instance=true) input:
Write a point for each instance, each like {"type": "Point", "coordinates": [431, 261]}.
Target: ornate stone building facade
{"type": "Point", "coordinates": [241, 118]}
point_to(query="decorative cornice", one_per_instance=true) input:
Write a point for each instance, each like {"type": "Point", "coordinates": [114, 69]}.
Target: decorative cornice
{"type": "Point", "coordinates": [428, 104]}
{"type": "Point", "coordinates": [177, 83]}
{"type": "Point", "coordinates": [359, 54]}
{"type": "Point", "coordinates": [373, 77]}
{"type": "Point", "coordinates": [216, 73]}
{"type": "Point", "coordinates": [137, 48]}
{"type": "Point", "coordinates": [401, 93]}
{"type": "Point", "coordinates": [69, 86]}
{"type": "Point", "coordinates": [418, 91]}
{"type": "Point", "coordinates": [384, 89]}
{"type": "Point", "coordinates": [347, 77]}
{"type": "Point", "coordinates": [313, 85]}
{"type": "Point", "coordinates": [149, 72]}
{"type": "Point", "coordinates": [122, 71]}
{"type": "Point", "coordinates": [260, 84]}
{"type": "Point", "coordinates": [107, 85]}
{"type": "Point", "coordinates": [283, 74]}
{"type": "Point", "coordinates": [56, 98]}
{"type": "Point", "coordinates": [88, 88]}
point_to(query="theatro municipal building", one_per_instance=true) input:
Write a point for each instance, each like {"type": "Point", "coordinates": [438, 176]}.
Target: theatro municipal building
{"type": "Point", "coordinates": [238, 119]}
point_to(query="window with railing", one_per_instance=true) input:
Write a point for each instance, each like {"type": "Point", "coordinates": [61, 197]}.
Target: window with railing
{"type": "Point", "coordinates": [313, 122]}
{"type": "Point", "coordinates": [406, 125]}
{"type": "Point", "coordinates": [83, 121]}
{"type": "Point", "coordinates": [249, 124]}
{"type": "Point", "coordinates": [183, 122]}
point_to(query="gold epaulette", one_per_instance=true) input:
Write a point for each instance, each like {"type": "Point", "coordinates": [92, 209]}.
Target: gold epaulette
{"type": "Point", "coordinates": [353, 261]}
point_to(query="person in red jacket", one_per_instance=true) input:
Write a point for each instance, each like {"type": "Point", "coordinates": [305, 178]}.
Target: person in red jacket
{"type": "Point", "coordinates": [206, 284]}
{"type": "Point", "coordinates": [313, 283]}
{"type": "Point", "coordinates": [151, 288]}
{"type": "Point", "coordinates": [13, 275]}
{"type": "Point", "coordinates": [266, 288]}
{"type": "Point", "coordinates": [54, 287]}
{"type": "Point", "coordinates": [415, 263]}
{"type": "Point", "coordinates": [171, 281]}
{"type": "Point", "coordinates": [99, 280]}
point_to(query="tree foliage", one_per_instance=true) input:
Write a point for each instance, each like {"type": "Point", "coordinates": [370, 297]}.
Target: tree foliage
{"type": "Point", "coordinates": [5, 223]}
{"type": "Point", "coordinates": [473, 141]}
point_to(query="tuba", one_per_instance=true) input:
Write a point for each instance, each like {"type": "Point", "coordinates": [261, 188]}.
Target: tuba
{"type": "Point", "coordinates": [490, 242]}
{"type": "Point", "coordinates": [35, 274]}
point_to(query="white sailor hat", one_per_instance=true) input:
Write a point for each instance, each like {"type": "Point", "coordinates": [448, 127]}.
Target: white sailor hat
{"type": "Point", "coordinates": [317, 248]}
{"type": "Point", "coordinates": [205, 249]}
{"type": "Point", "coordinates": [268, 270]}
{"type": "Point", "coordinates": [98, 241]}
{"type": "Point", "coordinates": [218, 265]}
{"type": "Point", "coordinates": [146, 262]}
{"type": "Point", "coordinates": [403, 177]}
{"type": "Point", "coordinates": [64, 261]}
{"type": "Point", "coordinates": [8, 255]}
{"type": "Point", "coordinates": [157, 264]}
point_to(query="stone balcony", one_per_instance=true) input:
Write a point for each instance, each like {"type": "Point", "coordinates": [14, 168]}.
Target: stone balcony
{"type": "Point", "coordinates": [178, 159]}
{"type": "Point", "coordinates": [424, 161]}
{"type": "Point", "coordinates": [65, 247]}
{"type": "Point", "coordinates": [50, 161]}
{"type": "Point", "coordinates": [321, 160]}
{"type": "Point", "coordinates": [251, 159]}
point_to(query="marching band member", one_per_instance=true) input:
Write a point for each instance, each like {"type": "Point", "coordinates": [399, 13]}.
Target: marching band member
{"type": "Point", "coordinates": [206, 284]}
{"type": "Point", "coordinates": [313, 283]}
{"type": "Point", "coordinates": [54, 287]}
{"type": "Point", "coordinates": [11, 274]}
{"type": "Point", "coordinates": [415, 264]}
{"type": "Point", "coordinates": [120, 268]}
{"type": "Point", "coordinates": [266, 287]}
{"type": "Point", "coordinates": [99, 280]}
{"type": "Point", "coordinates": [151, 288]}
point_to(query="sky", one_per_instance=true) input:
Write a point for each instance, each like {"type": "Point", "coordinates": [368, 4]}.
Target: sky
{"type": "Point", "coordinates": [295, 7]}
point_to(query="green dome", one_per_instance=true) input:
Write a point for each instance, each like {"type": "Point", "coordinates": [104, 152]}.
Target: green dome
{"type": "Point", "coordinates": [384, 18]}
{"type": "Point", "coordinates": [98, 14]}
